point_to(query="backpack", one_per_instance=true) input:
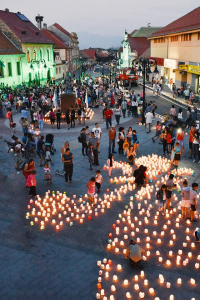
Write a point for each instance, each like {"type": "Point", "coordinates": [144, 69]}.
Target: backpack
{"type": "Point", "coordinates": [8, 115]}
{"type": "Point", "coordinates": [79, 139]}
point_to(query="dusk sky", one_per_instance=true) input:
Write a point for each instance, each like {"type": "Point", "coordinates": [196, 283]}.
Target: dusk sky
{"type": "Point", "coordinates": [105, 17]}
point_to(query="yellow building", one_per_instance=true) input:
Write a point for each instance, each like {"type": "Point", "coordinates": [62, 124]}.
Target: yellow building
{"type": "Point", "coordinates": [179, 45]}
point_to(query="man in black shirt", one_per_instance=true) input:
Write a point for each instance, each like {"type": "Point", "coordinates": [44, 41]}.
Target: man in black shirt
{"type": "Point", "coordinates": [68, 158]}
{"type": "Point", "coordinates": [72, 116]}
{"type": "Point", "coordinates": [58, 114]}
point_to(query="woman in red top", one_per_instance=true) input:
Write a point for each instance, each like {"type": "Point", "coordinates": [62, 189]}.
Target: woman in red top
{"type": "Point", "coordinates": [191, 135]}
{"type": "Point", "coordinates": [169, 142]}
{"type": "Point", "coordinates": [179, 138]}
{"type": "Point", "coordinates": [28, 168]}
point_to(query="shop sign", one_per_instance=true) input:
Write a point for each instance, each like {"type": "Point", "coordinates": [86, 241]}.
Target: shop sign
{"type": "Point", "coordinates": [193, 69]}
{"type": "Point", "coordinates": [170, 63]}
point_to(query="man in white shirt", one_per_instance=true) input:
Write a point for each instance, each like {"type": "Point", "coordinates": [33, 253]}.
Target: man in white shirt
{"type": "Point", "coordinates": [149, 118]}
{"type": "Point", "coordinates": [97, 131]}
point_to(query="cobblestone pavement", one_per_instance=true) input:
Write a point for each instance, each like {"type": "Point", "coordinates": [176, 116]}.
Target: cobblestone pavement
{"type": "Point", "coordinates": [47, 264]}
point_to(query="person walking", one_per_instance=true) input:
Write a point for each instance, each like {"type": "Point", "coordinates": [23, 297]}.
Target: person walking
{"type": "Point", "coordinates": [108, 116]}
{"type": "Point", "coordinates": [28, 168]}
{"type": "Point", "coordinates": [124, 107]}
{"type": "Point", "coordinates": [117, 114]}
{"type": "Point", "coordinates": [41, 120]}
{"type": "Point", "coordinates": [31, 183]}
{"type": "Point", "coordinates": [158, 132]}
{"type": "Point", "coordinates": [95, 142]}
{"type": "Point", "coordinates": [149, 118]}
{"type": "Point", "coordinates": [58, 115]}
{"type": "Point", "coordinates": [174, 89]}
{"type": "Point", "coordinates": [67, 159]}
{"type": "Point", "coordinates": [112, 136]}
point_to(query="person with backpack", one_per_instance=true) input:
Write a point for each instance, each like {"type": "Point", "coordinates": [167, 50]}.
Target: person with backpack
{"type": "Point", "coordinates": [82, 140]}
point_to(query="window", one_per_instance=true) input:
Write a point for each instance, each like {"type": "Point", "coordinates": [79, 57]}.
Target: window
{"type": "Point", "coordinates": [48, 55]}
{"type": "Point", "coordinates": [1, 70]}
{"type": "Point", "coordinates": [174, 38]}
{"type": "Point", "coordinates": [28, 56]}
{"type": "Point", "coordinates": [56, 70]}
{"type": "Point", "coordinates": [9, 69]}
{"type": "Point", "coordinates": [186, 37]}
{"type": "Point", "coordinates": [40, 54]}
{"type": "Point", "coordinates": [18, 68]}
{"type": "Point", "coordinates": [59, 69]}
{"type": "Point", "coordinates": [34, 55]}
{"type": "Point", "coordinates": [160, 40]}
{"type": "Point", "coordinates": [198, 35]}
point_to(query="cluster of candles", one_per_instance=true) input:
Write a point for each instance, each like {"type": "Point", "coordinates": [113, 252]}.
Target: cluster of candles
{"type": "Point", "coordinates": [57, 209]}
{"type": "Point", "coordinates": [111, 273]}
{"type": "Point", "coordinates": [155, 164]}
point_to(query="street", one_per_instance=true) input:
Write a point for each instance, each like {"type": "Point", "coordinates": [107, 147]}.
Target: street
{"type": "Point", "coordinates": [51, 264]}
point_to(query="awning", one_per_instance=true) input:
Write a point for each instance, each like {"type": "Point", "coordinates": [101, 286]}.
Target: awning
{"type": "Point", "coordinates": [160, 61]}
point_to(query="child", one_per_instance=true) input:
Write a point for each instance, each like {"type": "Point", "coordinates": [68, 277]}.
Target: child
{"type": "Point", "coordinates": [139, 113]}
{"type": "Point", "coordinates": [197, 234]}
{"type": "Point", "coordinates": [91, 190]}
{"type": "Point", "coordinates": [135, 139]}
{"type": "Point", "coordinates": [91, 157]}
{"type": "Point", "coordinates": [172, 156]}
{"type": "Point", "coordinates": [193, 201]}
{"type": "Point", "coordinates": [18, 152]}
{"type": "Point", "coordinates": [48, 157]}
{"type": "Point", "coordinates": [158, 132]}
{"type": "Point", "coordinates": [162, 197]}
{"type": "Point", "coordinates": [47, 175]}
{"type": "Point", "coordinates": [99, 180]}
{"type": "Point", "coordinates": [37, 134]}
{"type": "Point", "coordinates": [110, 162]}
{"type": "Point", "coordinates": [129, 135]}
{"type": "Point", "coordinates": [131, 156]}
{"type": "Point", "coordinates": [31, 183]}
{"type": "Point", "coordinates": [185, 203]}
{"type": "Point", "coordinates": [125, 147]}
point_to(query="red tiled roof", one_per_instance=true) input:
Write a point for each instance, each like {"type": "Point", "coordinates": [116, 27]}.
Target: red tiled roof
{"type": "Point", "coordinates": [83, 54]}
{"type": "Point", "coordinates": [62, 29]}
{"type": "Point", "coordinates": [26, 31]}
{"type": "Point", "coordinates": [7, 47]}
{"type": "Point", "coordinates": [60, 44]}
{"type": "Point", "coordinates": [139, 44]}
{"type": "Point", "coordinates": [91, 53]}
{"type": "Point", "coordinates": [101, 54]}
{"type": "Point", "coordinates": [188, 22]}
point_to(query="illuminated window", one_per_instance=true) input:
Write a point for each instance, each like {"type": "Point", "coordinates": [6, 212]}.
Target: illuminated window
{"type": "Point", "coordinates": [174, 38]}
{"type": "Point", "coordinates": [34, 55]}
{"type": "Point", "coordinates": [28, 56]}
{"type": "Point", "coordinates": [186, 37]}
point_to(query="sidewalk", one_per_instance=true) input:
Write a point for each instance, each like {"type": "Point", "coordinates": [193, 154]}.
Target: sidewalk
{"type": "Point", "coordinates": [169, 95]}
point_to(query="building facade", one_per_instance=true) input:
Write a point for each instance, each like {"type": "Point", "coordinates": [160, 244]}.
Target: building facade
{"type": "Point", "coordinates": [37, 61]}
{"type": "Point", "coordinates": [177, 46]}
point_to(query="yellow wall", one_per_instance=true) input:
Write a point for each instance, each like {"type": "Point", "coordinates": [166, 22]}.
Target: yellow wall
{"type": "Point", "coordinates": [158, 49]}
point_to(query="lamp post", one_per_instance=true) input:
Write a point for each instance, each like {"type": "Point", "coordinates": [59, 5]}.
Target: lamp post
{"type": "Point", "coordinates": [144, 67]}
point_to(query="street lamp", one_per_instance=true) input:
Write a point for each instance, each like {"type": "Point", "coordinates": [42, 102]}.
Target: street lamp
{"type": "Point", "coordinates": [144, 67]}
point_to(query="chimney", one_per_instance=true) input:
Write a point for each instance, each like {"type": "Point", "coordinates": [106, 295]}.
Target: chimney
{"type": "Point", "coordinates": [39, 20]}
{"type": "Point", "coordinates": [7, 10]}
{"type": "Point", "coordinates": [45, 25]}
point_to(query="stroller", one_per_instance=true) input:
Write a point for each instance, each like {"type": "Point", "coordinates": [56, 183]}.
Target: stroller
{"type": "Point", "coordinates": [49, 143]}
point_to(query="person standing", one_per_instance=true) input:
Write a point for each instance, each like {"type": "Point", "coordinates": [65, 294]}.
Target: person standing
{"type": "Point", "coordinates": [41, 120]}
{"type": "Point", "coordinates": [191, 135]}
{"type": "Point", "coordinates": [170, 185]}
{"type": "Point", "coordinates": [124, 107]}
{"type": "Point", "coordinates": [180, 139]}
{"type": "Point", "coordinates": [58, 115]}
{"type": "Point", "coordinates": [185, 203]}
{"type": "Point", "coordinates": [83, 142]}
{"type": "Point", "coordinates": [135, 139]}
{"type": "Point", "coordinates": [112, 136]}
{"type": "Point", "coordinates": [174, 89]}
{"type": "Point", "coordinates": [99, 180]}
{"type": "Point", "coordinates": [31, 183]}
{"type": "Point", "coordinates": [158, 132]}
{"type": "Point", "coordinates": [67, 118]}
{"type": "Point", "coordinates": [95, 142]}
{"type": "Point", "coordinates": [28, 167]}
{"type": "Point", "coordinates": [97, 132]}
{"type": "Point", "coordinates": [108, 116]}
{"type": "Point", "coordinates": [193, 201]}
{"type": "Point", "coordinates": [149, 118]}
{"type": "Point", "coordinates": [195, 146]}
{"type": "Point", "coordinates": [72, 117]}
{"type": "Point", "coordinates": [52, 118]}
{"type": "Point", "coordinates": [120, 141]}
{"type": "Point", "coordinates": [117, 114]}
{"type": "Point", "coordinates": [41, 149]}
{"type": "Point", "coordinates": [67, 159]}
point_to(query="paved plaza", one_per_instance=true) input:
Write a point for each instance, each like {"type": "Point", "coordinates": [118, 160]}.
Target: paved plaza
{"type": "Point", "coordinates": [50, 264]}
